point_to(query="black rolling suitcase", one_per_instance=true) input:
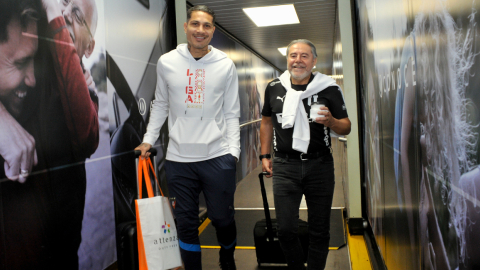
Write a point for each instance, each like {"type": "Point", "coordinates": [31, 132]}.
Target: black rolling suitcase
{"type": "Point", "coordinates": [265, 236]}
{"type": "Point", "coordinates": [127, 248]}
{"type": "Point", "coordinates": [127, 254]}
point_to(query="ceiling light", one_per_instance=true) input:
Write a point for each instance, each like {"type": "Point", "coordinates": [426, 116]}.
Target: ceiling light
{"type": "Point", "coordinates": [272, 15]}
{"type": "Point", "coordinates": [283, 51]}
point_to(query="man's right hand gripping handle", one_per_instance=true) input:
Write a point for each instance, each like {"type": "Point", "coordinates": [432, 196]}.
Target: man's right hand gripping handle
{"type": "Point", "coordinates": [267, 166]}
{"type": "Point", "coordinates": [144, 147]}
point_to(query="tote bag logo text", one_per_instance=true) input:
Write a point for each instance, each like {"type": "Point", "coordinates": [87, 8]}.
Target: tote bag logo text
{"type": "Point", "coordinates": [164, 240]}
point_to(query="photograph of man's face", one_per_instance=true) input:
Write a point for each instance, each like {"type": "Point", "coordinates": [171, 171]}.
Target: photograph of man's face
{"type": "Point", "coordinates": [81, 19]}
{"type": "Point", "coordinates": [16, 64]}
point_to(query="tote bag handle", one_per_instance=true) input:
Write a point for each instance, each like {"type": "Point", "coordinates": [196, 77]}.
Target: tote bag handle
{"type": "Point", "coordinates": [143, 171]}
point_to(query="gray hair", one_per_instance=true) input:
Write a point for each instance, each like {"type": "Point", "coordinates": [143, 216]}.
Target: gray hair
{"type": "Point", "coordinates": [202, 8]}
{"type": "Point", "coordinates": [304, 41]}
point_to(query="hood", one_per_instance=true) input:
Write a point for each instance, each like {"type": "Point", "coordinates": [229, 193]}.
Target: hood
{"type": "Point", "coordinates": [213, 56]}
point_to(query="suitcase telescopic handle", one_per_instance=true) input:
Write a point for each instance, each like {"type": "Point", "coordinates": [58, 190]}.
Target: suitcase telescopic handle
{"type": "Point", "coordinates": [268, 219]}
{"type": "Point", "coordinates": [153, 152]}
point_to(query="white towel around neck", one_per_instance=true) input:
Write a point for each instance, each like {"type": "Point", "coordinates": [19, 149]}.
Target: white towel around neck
{"type": "Point", "coordinates": [294, 114]}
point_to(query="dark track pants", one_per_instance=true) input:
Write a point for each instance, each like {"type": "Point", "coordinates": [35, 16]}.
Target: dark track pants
{"type": "Point", "coordinates": [216, 178]}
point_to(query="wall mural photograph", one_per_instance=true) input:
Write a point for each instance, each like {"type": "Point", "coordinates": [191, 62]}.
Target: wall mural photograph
{"type": "Point", "coordinates": [56, 200]}
{"type": "Point", "coordinates": [418, 64]}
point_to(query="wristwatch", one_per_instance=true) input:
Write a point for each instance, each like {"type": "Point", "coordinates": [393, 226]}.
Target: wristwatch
{"type": "Point", "coordinates": [264, 156]}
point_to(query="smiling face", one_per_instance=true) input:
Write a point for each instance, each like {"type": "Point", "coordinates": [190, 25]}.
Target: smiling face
{"type": "Point", "coordinates": [16, 65]}
{"type": "Point", "coordinates": [300, 62]}
{"type": "Point", "coordinates": [80, 16]}
{"type": "Point", "coordinates": [199, 30]}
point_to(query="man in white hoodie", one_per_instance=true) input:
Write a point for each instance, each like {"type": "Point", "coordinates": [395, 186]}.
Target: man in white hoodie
{"type": "Point", "coordinates": [197, 89]}
{"type": "Point", "coordinates": [303, 163]}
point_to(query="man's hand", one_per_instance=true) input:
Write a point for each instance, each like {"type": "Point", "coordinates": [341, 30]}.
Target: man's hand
{"type": "Point", "coordinates": [339, 126]}
{"type": "Point", "coordinates": [89, 80]}
{"type": "Point", "coordinates": [327, 120]}
{"type": "Point", "coordinates": [267, 167]}
{"type": "Point", "coordinates": [17, 147]}
{"type": "Point", "coordinates": [144, 147]}
{"type": "Point", "coordinates": [52, 9]}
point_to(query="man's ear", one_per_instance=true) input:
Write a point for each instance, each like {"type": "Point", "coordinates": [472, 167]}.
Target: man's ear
{"type": "Point", "coordinates": [185, 27]}
{"type": "Point", "coordinates": [90, 47]}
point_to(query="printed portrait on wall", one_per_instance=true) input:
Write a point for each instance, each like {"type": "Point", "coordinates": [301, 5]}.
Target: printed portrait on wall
{"type": "Point", "coordinates": [427, 72]}
{"type": "Point", "coordinates": [55, 146]}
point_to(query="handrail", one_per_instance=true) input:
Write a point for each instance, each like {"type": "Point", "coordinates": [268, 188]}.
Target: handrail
{"type": "Point", "coordinates": [251, 122]}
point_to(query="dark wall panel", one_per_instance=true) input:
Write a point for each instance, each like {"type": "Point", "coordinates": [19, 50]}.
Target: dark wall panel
{"type": "Point", "coordinates": [138, 33]}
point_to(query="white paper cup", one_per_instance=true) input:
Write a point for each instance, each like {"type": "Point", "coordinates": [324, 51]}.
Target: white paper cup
{"type": "Point", "coordinates": [314, 109]}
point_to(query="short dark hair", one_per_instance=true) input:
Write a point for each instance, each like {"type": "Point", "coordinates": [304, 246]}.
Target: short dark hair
{"type": "Point", "coordinates": [202, 8]}
{"type": "Point", "coordinates": [24, 10]}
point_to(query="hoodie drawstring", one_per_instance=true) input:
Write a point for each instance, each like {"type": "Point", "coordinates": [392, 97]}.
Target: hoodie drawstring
{"type": "Point", "coordinates": [203, 105]}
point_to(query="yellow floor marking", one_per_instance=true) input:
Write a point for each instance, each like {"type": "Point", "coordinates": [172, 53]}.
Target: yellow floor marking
{"type": "Point", "coordinates": [218, 247]}
{"type": "Point", "coordinates": [238, 247]}
{"type": "Point", "coordinates": [358, 252]}
{"type": "Point", "coordinates": [203, 226]}
{"type": "Point", "coordinates": [207, 221]}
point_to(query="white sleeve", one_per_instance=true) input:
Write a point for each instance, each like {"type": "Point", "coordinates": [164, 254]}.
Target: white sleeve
{"type": "Point", "coordinates": [159, 108]}
{"type": "Point", "coordinates": [231, 110]}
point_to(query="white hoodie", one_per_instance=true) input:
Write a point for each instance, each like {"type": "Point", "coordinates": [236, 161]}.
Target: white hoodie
{"type": "Point", "coordinates": [201, 101]}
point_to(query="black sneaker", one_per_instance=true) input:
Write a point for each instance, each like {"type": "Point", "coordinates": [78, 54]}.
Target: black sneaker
{"type": "Point", "coordinates": [227, 261]}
